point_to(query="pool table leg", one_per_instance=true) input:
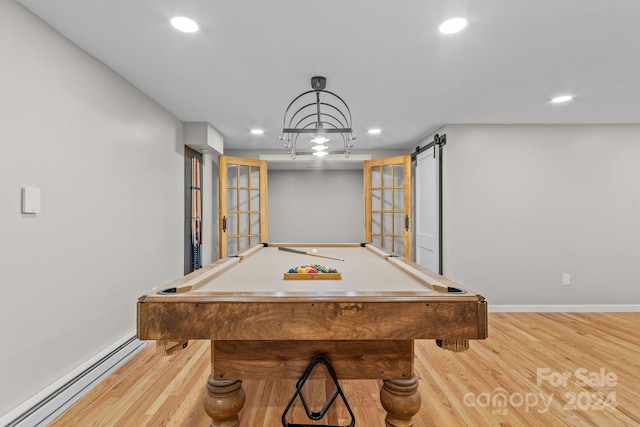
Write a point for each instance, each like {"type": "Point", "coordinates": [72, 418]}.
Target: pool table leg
{"type": "Point", "coordinates": [401, 400]}
{"type": "Point", "coordinates": [223, 400]}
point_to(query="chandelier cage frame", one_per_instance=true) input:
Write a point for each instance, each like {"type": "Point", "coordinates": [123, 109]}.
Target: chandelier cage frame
{"type": "Point", "coordinates": [304, 115]}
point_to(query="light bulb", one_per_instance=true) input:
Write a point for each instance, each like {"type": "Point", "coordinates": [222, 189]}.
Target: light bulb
{"type": "Point", "coordinates": [319, 138]}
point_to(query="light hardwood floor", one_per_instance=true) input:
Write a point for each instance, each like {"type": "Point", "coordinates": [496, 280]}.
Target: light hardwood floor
{"type": "Point", "coordinates": [535, 369]}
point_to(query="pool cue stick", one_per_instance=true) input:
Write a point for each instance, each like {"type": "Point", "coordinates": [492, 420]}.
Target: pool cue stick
{"type": "Point", "coordinates": [199, 200]}
{"type": "Point", "coordinates": [193, 219]}
{"type": "Point", "coordinates": [198, 191]}
{"type": "Point", "coordinates": [196, 215]}
{"type": "Point", "coordinates": [295, 251]}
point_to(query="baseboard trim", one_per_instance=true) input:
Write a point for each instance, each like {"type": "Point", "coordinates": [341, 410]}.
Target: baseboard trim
{"type": "Point", "coordinates": [552, 308]}
{"type": "Point", "coordinates": [53, 400]}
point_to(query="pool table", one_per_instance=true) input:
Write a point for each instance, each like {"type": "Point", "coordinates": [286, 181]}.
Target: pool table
{"type": "Point", "coordinates": [262, 326]}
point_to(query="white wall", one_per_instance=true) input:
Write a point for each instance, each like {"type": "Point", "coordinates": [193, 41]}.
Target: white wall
{"type": "Point", "coordinates": [316, 206]}
{"type": "Point", "coordinates": [525, 204]}
{"type": "Point", "coordinates": [109, 163]}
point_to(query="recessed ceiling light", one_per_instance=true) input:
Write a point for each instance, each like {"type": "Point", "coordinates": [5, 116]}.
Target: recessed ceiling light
{"type": "Point", "coordinates": [452, 25]}
{"type": "Point", "coordinates": [257, 131]}
{"type": "Point", "coordinates": [561, 99]}
{"type": "Point", "coordinates": [374, 131]}
{"type": "Point", "coordinates": [185, 25]}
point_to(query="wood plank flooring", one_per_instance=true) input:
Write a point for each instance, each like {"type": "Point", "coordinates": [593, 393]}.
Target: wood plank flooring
{"type": "Point", "coordinates": [535, 369]}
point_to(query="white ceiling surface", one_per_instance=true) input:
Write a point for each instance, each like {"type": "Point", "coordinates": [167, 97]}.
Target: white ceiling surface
{"type": "Point", "coordinates": [386, 59]}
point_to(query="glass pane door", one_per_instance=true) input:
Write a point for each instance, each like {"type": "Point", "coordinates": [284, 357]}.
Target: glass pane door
{"type": "Point", "coordinates": [388, 203]}
{"type": "Point", "coordinates": [243, 204]}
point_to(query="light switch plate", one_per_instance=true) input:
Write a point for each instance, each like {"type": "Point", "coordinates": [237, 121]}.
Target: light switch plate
{"type": "Point", "coordinates": [30, 200]}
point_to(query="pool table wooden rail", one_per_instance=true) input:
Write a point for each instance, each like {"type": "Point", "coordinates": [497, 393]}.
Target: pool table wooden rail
{"type": "Point", "coordinates": [199, 278]}
{"type": "Point", "coordinates": [309, 315]}
{"type": "Point", "coordinates": [311, 320]}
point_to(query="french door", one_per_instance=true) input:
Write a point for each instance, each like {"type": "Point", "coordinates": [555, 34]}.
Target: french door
{"type": "Point", "coordinates": [243, 204]}
{"type": "Point", "coordinates": [387, 189]}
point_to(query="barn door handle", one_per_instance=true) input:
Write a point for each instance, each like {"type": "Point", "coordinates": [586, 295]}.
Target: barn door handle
{"type": "Point", "coordinates": [406, 222]}
{"type": "Point", "coordinates": [224, 224]}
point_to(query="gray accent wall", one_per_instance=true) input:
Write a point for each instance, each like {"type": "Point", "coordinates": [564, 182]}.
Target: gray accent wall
{"type": "Point", "coordinates": [316, 206]}
{"type": "Point", "coordinates": [109, 163]}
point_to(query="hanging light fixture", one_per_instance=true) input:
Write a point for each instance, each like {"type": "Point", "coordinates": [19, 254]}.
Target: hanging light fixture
{"type": "Point", "coordinates": [307, 114]}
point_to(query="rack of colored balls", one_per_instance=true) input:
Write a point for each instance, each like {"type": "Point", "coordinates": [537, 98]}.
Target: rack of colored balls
{"type": "Point", "coordinates": [312, 268]}
{"type": "Point", "coordinates": [312, 271]}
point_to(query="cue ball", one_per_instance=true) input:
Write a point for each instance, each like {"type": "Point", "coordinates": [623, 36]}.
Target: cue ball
{"type": "Point", "coordinates": [314, 251]}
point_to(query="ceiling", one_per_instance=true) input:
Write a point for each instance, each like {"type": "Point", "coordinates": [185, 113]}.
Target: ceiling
{"type": "Point", "coordinates": [386, 59]}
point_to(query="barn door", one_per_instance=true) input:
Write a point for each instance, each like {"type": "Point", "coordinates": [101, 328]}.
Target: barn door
{"type": "Point", "coordinates": [387, 199]}
{"type": "Point", "coordinates": [243, 204]}
{"type": "Point", "coordinates": [427, 209]}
